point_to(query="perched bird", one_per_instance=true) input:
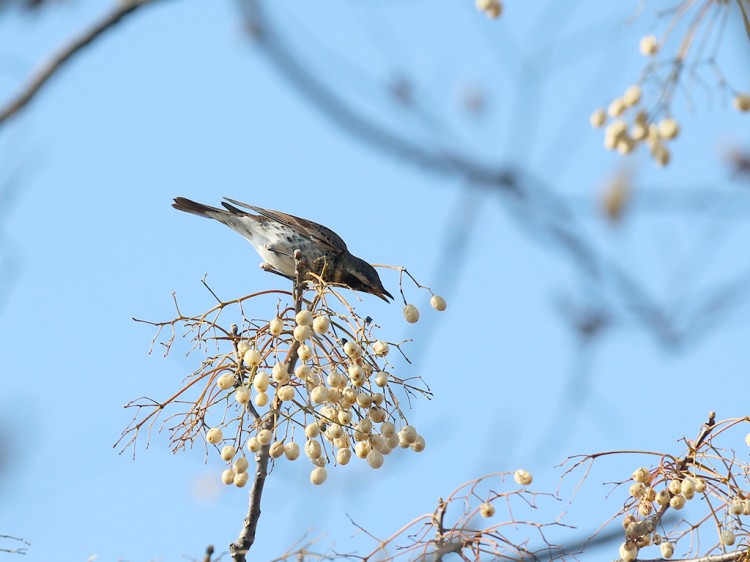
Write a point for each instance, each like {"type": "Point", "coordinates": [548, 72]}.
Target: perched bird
{"type": "Point", "coordinates": [275, 236]}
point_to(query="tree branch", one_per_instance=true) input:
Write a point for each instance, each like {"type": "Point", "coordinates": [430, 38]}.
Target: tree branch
{"type": "Point", "coordinates": [48, 69]}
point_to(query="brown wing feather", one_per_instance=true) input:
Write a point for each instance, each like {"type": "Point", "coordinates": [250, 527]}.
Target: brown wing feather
{"type": "Point", "coordinates": [313, 230]}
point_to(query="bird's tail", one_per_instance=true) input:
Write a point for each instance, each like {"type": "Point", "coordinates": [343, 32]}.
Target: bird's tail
{"type": "Point", "coordinates": [188, 206]}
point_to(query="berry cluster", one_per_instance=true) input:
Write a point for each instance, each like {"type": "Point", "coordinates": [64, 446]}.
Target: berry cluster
{"type": "Point", "coordinates": [312, 379]}
{"type": "Point", "coordinates": [628, 122]}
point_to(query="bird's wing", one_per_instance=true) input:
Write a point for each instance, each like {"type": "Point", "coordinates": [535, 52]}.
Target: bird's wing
{"type": "Point", "coordinates": [314, 231]}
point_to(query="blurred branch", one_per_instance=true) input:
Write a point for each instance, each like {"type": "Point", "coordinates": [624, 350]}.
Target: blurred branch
{"type": "Point", "coordinates": [20, 550]}
{"type": "Point", "coordinates": [537, 207]}
{"type": "Point", "coordinates": [38, 80]}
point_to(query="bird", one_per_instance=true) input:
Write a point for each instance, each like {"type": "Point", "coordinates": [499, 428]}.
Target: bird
{"type": "Point", "coordinates": [276, 236]}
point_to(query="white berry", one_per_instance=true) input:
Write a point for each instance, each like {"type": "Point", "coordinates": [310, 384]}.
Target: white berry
{"type": "Point", "coordinates": [411, 313]}
{"type": "Point", "coordinates": [214, 436]}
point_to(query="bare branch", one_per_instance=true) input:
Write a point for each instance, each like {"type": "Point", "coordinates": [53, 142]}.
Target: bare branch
{"type": "Point", "coordinates": [48, 69]}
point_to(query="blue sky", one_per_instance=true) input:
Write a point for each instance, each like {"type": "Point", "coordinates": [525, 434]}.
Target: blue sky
{"type": "Point", "coordinates": [177, 101]}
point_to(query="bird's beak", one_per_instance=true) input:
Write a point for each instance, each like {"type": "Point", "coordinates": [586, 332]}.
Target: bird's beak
{"type": "Point", "coordinates": [385, 294]}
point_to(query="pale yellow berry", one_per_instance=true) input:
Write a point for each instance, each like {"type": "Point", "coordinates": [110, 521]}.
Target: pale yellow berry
{"type": "Point", "coordinates": [378, 443]}
{"type": "Point", "coordinates": [304, 352]}
{"type": "Point", "coordinates": [625, 145]}
{"type": "Point", "coordinates": [616, 107]}
{"type": "Point", "coordinates": [261, 399]}
{"type": "Point", "coordinates": [419, 444]}
{"type": "Point", "coordinates": [228, 452]}
{"type": "Point", "coordinates": [632, 95]}
{"type": "Point", "coordinates": [319, 461]}
{"type": "Point", "coordinates": [700, 485]}
{"type": "Point", "coordinates": [649, 45]}
{"type": "Point", "coordinates": [344, 417]}
{"type": "Point", "coordinates": [378, 398]}
{"type": "Point", "coordinates": [302, 333]}
{"type": "Point", "coordinates": [661, 154]}
{"type": "Point", "coordinates": [276, 326]}
{"type": "Point", "coordinates": [687, 486]}
{"type": "Point", "coordinates": [377, 414]}
{"type": "Point", "coordinates": [352, 350]}
{"type": "Point", "coordinates": [365, 425]}
{"type": "Point", "coordinates": [381, 379]}
{"type": "Point", "coordinates": [491, 8]}
{"type": "Point", "coordinates": [253, 445]}
{"type": "Point", "coordinates": [747, 439]}
{"type": "Point", "coordinates": [286, 393]}
{"type": "Point", "coordinates": [225, 381]}
{"type": "Point", "coordinates": [356, 375]}
{"type": "Point", "coordinates": [735, 507]}
{"type": "Point", "coordinates": [380, 348]}
{"type": "Point", "coordinates": [375, 459]}
{"type": "Point", "coordinates": [668, 128]}
{"type": "Point", "coordinates": [727, 537]}
{"type": "Point", "coordinates": [411, 313]}
{"type": "Point", "coordinates": [241, 479]}
{"type": "Point", "coordinates": [637, 489]}
{"type": "Point", "coordinates": [242, 348]}
{"type": "Point", "coordinates": [522, 477]}
{"type": "Point", "coordinates": [745, 507]}
{"type": "Point", "coordinates": [334, 395]}
{"type": "Point", "coordinates": [260, 381]}
{"type": "Point", "coordinates": [394, 441]}
{"type": "Point", "coordinates": [252, 357]}
{"type": "Point", "coordinates": [313, 448]}
{"type": "Point", "coordinates": [628, 551]}
{"type": "Point", "coordinates": [214, 436]}
{"type": "Point", "coordinates": [276, 449]}
{"type": "Point", "coordinates": [318, 475]}
{"type": "Point", "coordinates": [639, 131]}
{"type": "Point", "coordinates": [291, 451]}
{"type": "Point", "coordinates": [265, 436]}
{"type": "Point", "coordinates": [674, 487]}
{"type": "Point", "coordinates": [336, 380]}
{"type": "Point", "coordinates": [641, 474]}
{"type": "Point", "coordinates": [438, 303]}
{"type": "Point", "coordinates": [312, 430]}
{"type": "Point", "coordinates": [321, 324]}
{"type": "Point", "coordinates": [741, 102]}
{"type": "Point", "coordinates": [302, 372]}
{"type": "Point", "coordinates": [645, 508]}
{"type": "Point", "coordinates": [677, 502]}
{"type": "Point", "coordinates": [334, 431]}
{"type": "Point", "coordinates": [242, 395]}
{"type": "Point", "coordinates": [614, 132]}
{"type": "Point", "coordinates": [342, 442]}
{"type": "Point", "coordinates": [319, 394]}
{"type": "Point", "coordinates": [280, 373]}
{"type": "Point", "coordinates": [487, 509]}
{"type": "Point", "coordinates": [240, 465]}
{"type": "Point", "coordinates": [304, 318]}
{"type": "Point", "coordinates": [667, 549]}
{"type": "Point", "coordinates": [362, 449]}
{"type": "Point", "coordinates": [387, 429]}
{"type": "Point", "coordinates": [227, 476]}
{"type": "Point", "coordinates": [598, 118]}
{"type": "Point", "coordinates": [343, 456]}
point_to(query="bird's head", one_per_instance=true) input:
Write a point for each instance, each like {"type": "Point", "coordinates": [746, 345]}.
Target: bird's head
{"type": "Point", "coordinates": [359, 275]}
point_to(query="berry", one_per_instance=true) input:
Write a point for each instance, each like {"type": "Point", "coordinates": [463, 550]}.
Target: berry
{"type": "Point", "coordinates": [411, 313]}
{"type": "Point", "coordinates": [321, 324]}
{"type": "Point", "coordinates": [214, 436]}
{"type": "Point", "coordinates": [225, 381]}
{"type": "Point", "coordinates": [522, 477]}
{"type": "Point", "coordinates": [487, 509]}
{"type": "Point", "coordinates": [318, 475]}
{"type": "Point", "coordinates": [438, 303]}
